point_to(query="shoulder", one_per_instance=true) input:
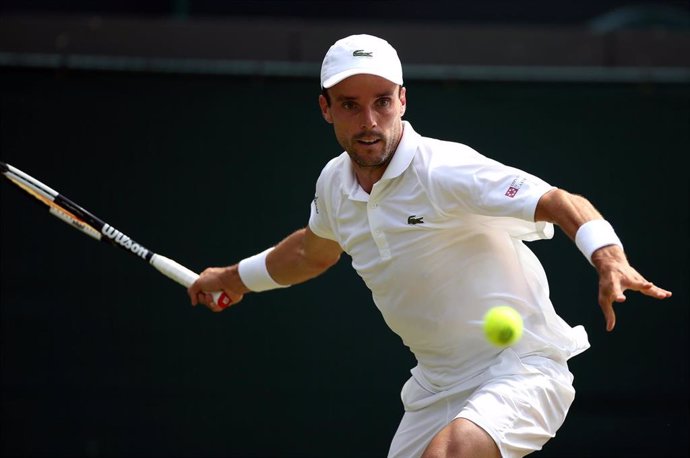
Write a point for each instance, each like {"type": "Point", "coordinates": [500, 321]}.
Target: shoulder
{"type": "Point", "coordinates": [334, 174]}
{"type": "Point", "coordinates": [442, 156]}
{"type": "Point", "coordinates": [336, 164]}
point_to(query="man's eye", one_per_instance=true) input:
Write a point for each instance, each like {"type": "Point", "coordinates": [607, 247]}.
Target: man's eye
{"type": "Point", "coordinates": [348, 105]}
{"type": "Point", "coordinates": [385, 102]}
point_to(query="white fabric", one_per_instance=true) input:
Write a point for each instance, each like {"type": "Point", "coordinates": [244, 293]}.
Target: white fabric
{"type": "Point", "coordinates": [438, 242]}
{"type": "Point", "coordinates": [254, 274]}
{"type": "Point", "coordinates": [520, 409]}
{"type": "Point", "coordinates": [358, 54]}
{"type": "Point", "coordinates": [595, 234]}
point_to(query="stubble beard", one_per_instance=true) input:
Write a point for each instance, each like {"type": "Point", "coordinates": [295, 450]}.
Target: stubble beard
{"type": "Point", "coordinates": [371, 161]}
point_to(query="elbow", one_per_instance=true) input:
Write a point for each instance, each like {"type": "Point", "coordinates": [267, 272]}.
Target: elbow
{"type": "Point", "coordinates": [555, 203]}
{"type": "Point", "coordinates": [324, 263]}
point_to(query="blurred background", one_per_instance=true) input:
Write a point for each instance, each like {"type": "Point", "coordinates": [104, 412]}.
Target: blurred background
{"type": "Point", "coordinates": [193, 127]}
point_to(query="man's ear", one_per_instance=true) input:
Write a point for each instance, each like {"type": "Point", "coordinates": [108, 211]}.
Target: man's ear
{"type": "Point", "coordinates": [325, 109]}
{"type": "Point", "coordinates": [403, 100]}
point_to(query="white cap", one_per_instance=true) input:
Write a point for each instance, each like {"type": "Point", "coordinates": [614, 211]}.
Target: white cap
{"type": "Point", "coordinates": [358, 54]}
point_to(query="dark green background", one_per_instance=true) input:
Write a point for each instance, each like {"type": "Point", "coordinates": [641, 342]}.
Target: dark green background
{"type": "Point", "coordinates": [102, 356]}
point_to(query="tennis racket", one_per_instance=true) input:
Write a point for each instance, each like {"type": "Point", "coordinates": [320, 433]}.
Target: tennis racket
{"type": "Point", "coordinates": [81, 219]}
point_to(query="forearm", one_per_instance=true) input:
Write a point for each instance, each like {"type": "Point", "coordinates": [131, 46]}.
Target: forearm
{"type": "Point", "coordinates": [578, 218]}
{"type": "Point", "coordinates": [300, 257]}
{"type": "Point", "coordinates": [566, 210]}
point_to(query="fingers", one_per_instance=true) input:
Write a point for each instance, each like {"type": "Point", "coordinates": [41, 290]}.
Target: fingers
{"type": "Point", "coordinates": [207, 299]}
{"type": "Point", "coordinates": [198, 295]}
{"type": "Point", "coordinates": [606, 304]}
{"type": "Point", "coordinates": [200, 298]}
{"type": "Point", "coordinates": [215, 279]}
{"type": "Point", "coordinates": [194, 293]}
{"type": "Point", "coordinates": [648, 288]}
{"type": "Point", "coordinates": [609, 292]}
{"type": "Point", "coordinates": [654, 291]}
{"type": "Point", "coordinates": [211, 303]}
{"type": "Point", "coordinates": [207, 281]}
{"type": "Point", "coordinates": [613, 287]}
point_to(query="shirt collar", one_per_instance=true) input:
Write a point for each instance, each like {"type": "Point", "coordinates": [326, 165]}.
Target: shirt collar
{"type": "Point", "coordinates": [403, 154]}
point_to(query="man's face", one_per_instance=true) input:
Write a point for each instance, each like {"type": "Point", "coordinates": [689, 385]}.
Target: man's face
{"type": "Point", "coordinates": [366, 112]}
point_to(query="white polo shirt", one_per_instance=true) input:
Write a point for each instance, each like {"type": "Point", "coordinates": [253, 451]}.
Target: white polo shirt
{"type": "Point", "coordinates": [438, 242]}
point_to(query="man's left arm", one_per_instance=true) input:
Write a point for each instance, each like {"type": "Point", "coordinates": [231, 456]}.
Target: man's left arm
{"type": "Point", "coordinates": [578, 218]}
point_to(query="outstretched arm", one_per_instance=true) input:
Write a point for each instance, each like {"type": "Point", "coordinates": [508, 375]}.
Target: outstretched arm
{"type": "Point", "coordinates": [299, 257]}
{"type": "Point", "coordinates": [616, 275]}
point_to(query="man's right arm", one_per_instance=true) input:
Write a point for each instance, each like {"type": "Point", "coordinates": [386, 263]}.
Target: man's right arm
{"type": "Point", "coordinates": [299, 257]}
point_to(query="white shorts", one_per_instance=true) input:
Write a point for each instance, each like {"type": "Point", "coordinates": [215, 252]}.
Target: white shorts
{"type": "Point", "coordinates": [521, 411]}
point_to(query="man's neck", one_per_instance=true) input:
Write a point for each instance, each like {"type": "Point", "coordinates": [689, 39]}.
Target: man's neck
{"type": "Point", "coordinates": [367, 177]}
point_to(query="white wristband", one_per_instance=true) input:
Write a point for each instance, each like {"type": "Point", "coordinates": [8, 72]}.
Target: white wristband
{"type": "Point", "coordinates": [595, 234]}
{"type": "Point", "coordinates": [254, 274]}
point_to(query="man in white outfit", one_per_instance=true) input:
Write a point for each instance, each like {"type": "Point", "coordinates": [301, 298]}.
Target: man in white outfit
{"type": "Point", "coordinates": [437, 232]}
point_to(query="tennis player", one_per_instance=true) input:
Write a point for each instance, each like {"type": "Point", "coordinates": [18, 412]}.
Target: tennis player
{"type": "Point", "coordinates": [436, 231]}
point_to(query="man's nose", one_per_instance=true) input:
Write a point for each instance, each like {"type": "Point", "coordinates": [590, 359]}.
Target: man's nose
{"type": "Point", "coordinates": [368, 118]}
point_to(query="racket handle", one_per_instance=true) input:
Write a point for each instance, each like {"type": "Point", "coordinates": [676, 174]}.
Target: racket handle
{"type": "Point", "coordinates": [185, 277]}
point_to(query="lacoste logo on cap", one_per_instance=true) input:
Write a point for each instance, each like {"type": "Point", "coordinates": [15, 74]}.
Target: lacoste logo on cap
{"type": "Point", "coordinates": [363, 53]}
{"type": "Point", "coordinates": [414, 219]}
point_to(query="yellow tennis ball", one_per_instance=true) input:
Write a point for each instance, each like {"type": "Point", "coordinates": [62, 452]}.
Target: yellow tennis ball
{"type": "Point", "coordinates": [502, 326]}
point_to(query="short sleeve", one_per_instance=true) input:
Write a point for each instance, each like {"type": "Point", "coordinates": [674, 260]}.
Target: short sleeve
{"type": "Point", "coordinates": [320, 222]}
{"type": "Point", "coordinates": [469, 181]}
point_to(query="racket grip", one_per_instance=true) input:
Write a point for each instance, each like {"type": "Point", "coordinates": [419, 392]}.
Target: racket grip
{"type": "Point", "coordinates": [185, 277]}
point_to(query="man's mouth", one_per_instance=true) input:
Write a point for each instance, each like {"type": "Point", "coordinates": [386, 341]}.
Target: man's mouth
{"type": "Point", "coordinates": [368, 141]}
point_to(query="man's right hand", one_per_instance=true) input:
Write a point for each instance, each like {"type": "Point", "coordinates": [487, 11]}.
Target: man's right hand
{"type": "Point", "coordinates": [226, 279]}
